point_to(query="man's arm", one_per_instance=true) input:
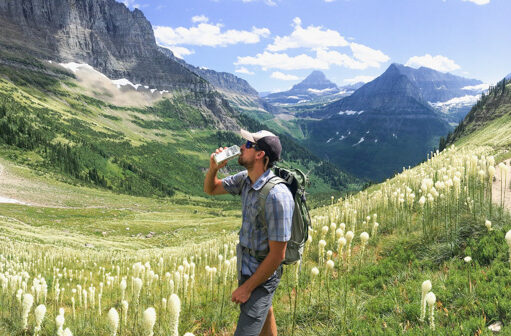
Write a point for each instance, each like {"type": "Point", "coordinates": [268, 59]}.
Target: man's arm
{"type": "Point", "coordinates": [264, 271]}
{"type": "Point", "coordinates": [213, 185]}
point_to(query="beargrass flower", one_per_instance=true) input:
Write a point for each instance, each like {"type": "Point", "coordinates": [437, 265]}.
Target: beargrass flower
{"type": "Point", "coordinates": [324, 231]}
{"type": "Point", "coordinates": [113, 320]}
{"type": "Point", "coordinates": [123, 286]}
{"type": "Point", "coordinates": [149, 320]}
{"type": "Point", "coordinates": [340, 245]}
{"type": "Point", "coordinates": [321, 249]}
{"type": "Point", "coordinates": [28, 301]}
{"type": "Point", "coordinates": [59, 322]}
{"type": "Point", "coordinates": [174, 311]}
{"type": "Point", "coordinates": [487, 223]}
{"type": "Point", "coordinates": [124, 307]}
{"type": "Point", "coordinates": [508, 240]}
{"type": "Point", "coordinates": [67, 332]}
{"type": "Point", "coordinates": [426, 287]}
{"type": "Point", "coordinates": [431, 299]}
{"type": "Point", "coordinates": [375, 229]}
{"type": "Point", "coordinates": [339, 233]}
{"type": "Point", "coordinates": [329, 254]}
{"type": "Point", "coordinates": [349, 238]}
{"type": "Point", "coordinates": [39, 312]}
{"type": "Point", "coordinates": [137, 286]}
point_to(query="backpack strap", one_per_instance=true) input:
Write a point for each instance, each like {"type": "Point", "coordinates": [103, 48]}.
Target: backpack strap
{"type": "Point", "coordinates": [263, 195]}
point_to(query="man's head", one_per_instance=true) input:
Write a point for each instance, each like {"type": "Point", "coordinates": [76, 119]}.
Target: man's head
{"type": "Point", "coordinates": [265, 146]}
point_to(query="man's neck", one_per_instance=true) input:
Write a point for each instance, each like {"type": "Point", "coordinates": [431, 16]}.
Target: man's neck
{"type": "Point", "coordinates": [254, 173]}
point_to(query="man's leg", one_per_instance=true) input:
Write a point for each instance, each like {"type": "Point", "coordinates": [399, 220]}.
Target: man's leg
{"type": "Point", "coordinates": [270, 326]}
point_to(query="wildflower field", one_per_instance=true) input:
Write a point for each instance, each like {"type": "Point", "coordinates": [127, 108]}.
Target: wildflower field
{"type": "Point", "coordinates": [425, 253]}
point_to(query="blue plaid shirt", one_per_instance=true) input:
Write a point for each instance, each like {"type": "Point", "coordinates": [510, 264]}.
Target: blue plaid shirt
{"type": "Point", "coordinates": [279, 214]}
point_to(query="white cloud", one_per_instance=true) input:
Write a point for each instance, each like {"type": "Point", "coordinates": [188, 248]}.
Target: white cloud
{"type": "Point", "coordinates": [268, 60]}
{"type": "Point", "coordinates": [244, 70]}
{"type": "Point", "coordinates": [438, 62]}
{"type": "Point", "coordinates": [368, 56]}
{"type": "Point", "coordinates": [283, 76]}
{"type": "Point", "coordinates": [323, 60]}
{"type": "Point", "coordinates": [311, 37]}
{"type": "Point", "coordinates": [200, 18]}
{"type": "Point", "coordinates": [133, 4]}
{"type": "Point", "coordinates": [358, 79]}
{"type": "Point", "coordinates": [478, 2]}
{"type": "Point", "coordinates": [268, 2]}
{"type": "Point", "coordinates": [180, 52]}
{"type": "Point", "coordinates": [206, 34]}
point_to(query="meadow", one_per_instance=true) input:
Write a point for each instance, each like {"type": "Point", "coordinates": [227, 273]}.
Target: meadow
{"type": "Point", "coordinates": [370, 266]}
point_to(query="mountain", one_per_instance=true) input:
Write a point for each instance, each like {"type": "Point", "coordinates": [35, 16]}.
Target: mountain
{"type": "Point", "coordinates": [236, 90]}
{"type": "Point", "coordinates": [489, 116]}
{"type": "Point", "coordinates": [508, 76]}
{"type": "Point", "coordinates": [102, 33]}
{"type": "Point", "coordinates": [313, 86]}
{"type": "Point", "coordinates": [384, 125]}
{"type": "Point", "coordinates": [88, 96]}
{"type": "Point", "coordinates": [451, 95]}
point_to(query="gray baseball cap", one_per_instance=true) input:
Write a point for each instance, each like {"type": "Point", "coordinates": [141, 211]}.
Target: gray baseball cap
{"type": "Point", "coordinates": [265, 141]}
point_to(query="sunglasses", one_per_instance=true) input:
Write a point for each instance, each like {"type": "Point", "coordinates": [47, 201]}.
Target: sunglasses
{"type": "Point", "coordinates": [250, 144]}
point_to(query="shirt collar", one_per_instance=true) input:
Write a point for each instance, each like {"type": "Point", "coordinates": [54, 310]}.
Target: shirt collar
{"type": "Point", "coordinates": [261, 181]}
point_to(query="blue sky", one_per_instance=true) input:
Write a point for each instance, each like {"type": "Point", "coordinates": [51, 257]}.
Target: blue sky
{"type": "Point", "coordinates": [274, 44]}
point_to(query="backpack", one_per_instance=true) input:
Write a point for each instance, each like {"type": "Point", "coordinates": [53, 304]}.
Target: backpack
{"type": "Point", "coordinates": [296, 181]}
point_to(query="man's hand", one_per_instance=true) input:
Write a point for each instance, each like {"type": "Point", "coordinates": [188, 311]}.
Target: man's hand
{"type": "Point", "coordinates": [241, 294]}
{"type": "Point", "coordinates": [213, 166]}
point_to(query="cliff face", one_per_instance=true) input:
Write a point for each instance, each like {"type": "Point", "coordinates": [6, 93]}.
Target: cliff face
{"type": "Point", "coordinates": [102, 33]}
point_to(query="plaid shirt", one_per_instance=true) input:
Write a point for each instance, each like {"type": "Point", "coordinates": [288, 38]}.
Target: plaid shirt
{"type": "Point", "coordinates": [279, 214]}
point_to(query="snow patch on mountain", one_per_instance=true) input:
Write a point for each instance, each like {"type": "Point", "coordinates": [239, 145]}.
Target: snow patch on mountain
{"type": "Point", "coordinates": [350, 112]}
{"type": "Point", "coordinates": [359, 141]}
{"type": "Point", "coordinates": [318, 92]}
{"type": "Point", "coordinates": [446, 106]}
{"type": "Point", "coordinates": [480, 87]}
{"type": "Point", "coordinates": [75, 67]}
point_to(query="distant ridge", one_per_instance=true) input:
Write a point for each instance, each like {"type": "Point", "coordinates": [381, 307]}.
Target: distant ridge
{"type": "Point", "coordinates": [387, 123]}
{"type": "Point", "coordinates": [313, 86]}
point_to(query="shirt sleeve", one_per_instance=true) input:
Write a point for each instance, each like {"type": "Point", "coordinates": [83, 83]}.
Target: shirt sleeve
{"type": "Point", "coordinates": [233, 184]}
{"type": "Point", "coordinates": [279, 213]}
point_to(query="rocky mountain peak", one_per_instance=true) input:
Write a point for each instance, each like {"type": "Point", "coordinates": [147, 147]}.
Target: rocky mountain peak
{"type": "Point", "coordinates": [316, 80]}
{"type": "Point", "coordinates": [102, 33]}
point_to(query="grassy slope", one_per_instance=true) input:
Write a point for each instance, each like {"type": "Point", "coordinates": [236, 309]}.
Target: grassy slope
{"type": "Point", "coordinates": [387, 283]}
{"type": "Point", "coordinates": [156, 150]}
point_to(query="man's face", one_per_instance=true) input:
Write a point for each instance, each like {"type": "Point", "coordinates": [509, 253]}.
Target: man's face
{"type": "Point", "coordinates": [248, 155]}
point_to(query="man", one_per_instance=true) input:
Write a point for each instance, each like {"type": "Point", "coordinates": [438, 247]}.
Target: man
{"type": "Point", "coordinates": [258, 279]}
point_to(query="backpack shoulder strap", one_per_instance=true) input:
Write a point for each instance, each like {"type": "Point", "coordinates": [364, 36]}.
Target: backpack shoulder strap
{"type": "Point", "coordinates": [265, 190]}
{"type": "Point", "coordinates": [263, 195]}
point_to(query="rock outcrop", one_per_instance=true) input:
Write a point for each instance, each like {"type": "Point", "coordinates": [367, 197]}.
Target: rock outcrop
{"type": "Point", "coordinates": [102, 33]}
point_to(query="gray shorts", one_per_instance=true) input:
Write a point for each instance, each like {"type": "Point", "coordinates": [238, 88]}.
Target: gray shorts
{"type": "Point", "coordinates": [253, 312]}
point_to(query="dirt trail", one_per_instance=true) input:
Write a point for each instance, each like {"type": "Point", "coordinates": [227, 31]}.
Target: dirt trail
{"type": "Point", "coordinates": [498, 188]}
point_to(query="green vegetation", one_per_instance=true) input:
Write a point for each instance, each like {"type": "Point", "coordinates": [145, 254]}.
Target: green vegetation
{"type": "Point", "coordinates": [153, 151]}
{"type": "Point", "coordinates": [89, 223]}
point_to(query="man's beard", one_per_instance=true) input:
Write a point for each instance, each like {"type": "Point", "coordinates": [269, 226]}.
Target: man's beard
{"type": "Point", "coordinates": [244, 163]}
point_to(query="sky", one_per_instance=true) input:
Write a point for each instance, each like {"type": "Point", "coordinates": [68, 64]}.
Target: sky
{"type": "Point", "coordinates": [274, 44]}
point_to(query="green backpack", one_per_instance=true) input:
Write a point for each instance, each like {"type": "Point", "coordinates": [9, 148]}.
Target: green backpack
{"type": "Point", "coordinates": [296, 181]}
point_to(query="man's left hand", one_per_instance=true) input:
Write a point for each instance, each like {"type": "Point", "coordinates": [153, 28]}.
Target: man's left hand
{"type": "Point", "coordinates": [240, 295]}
